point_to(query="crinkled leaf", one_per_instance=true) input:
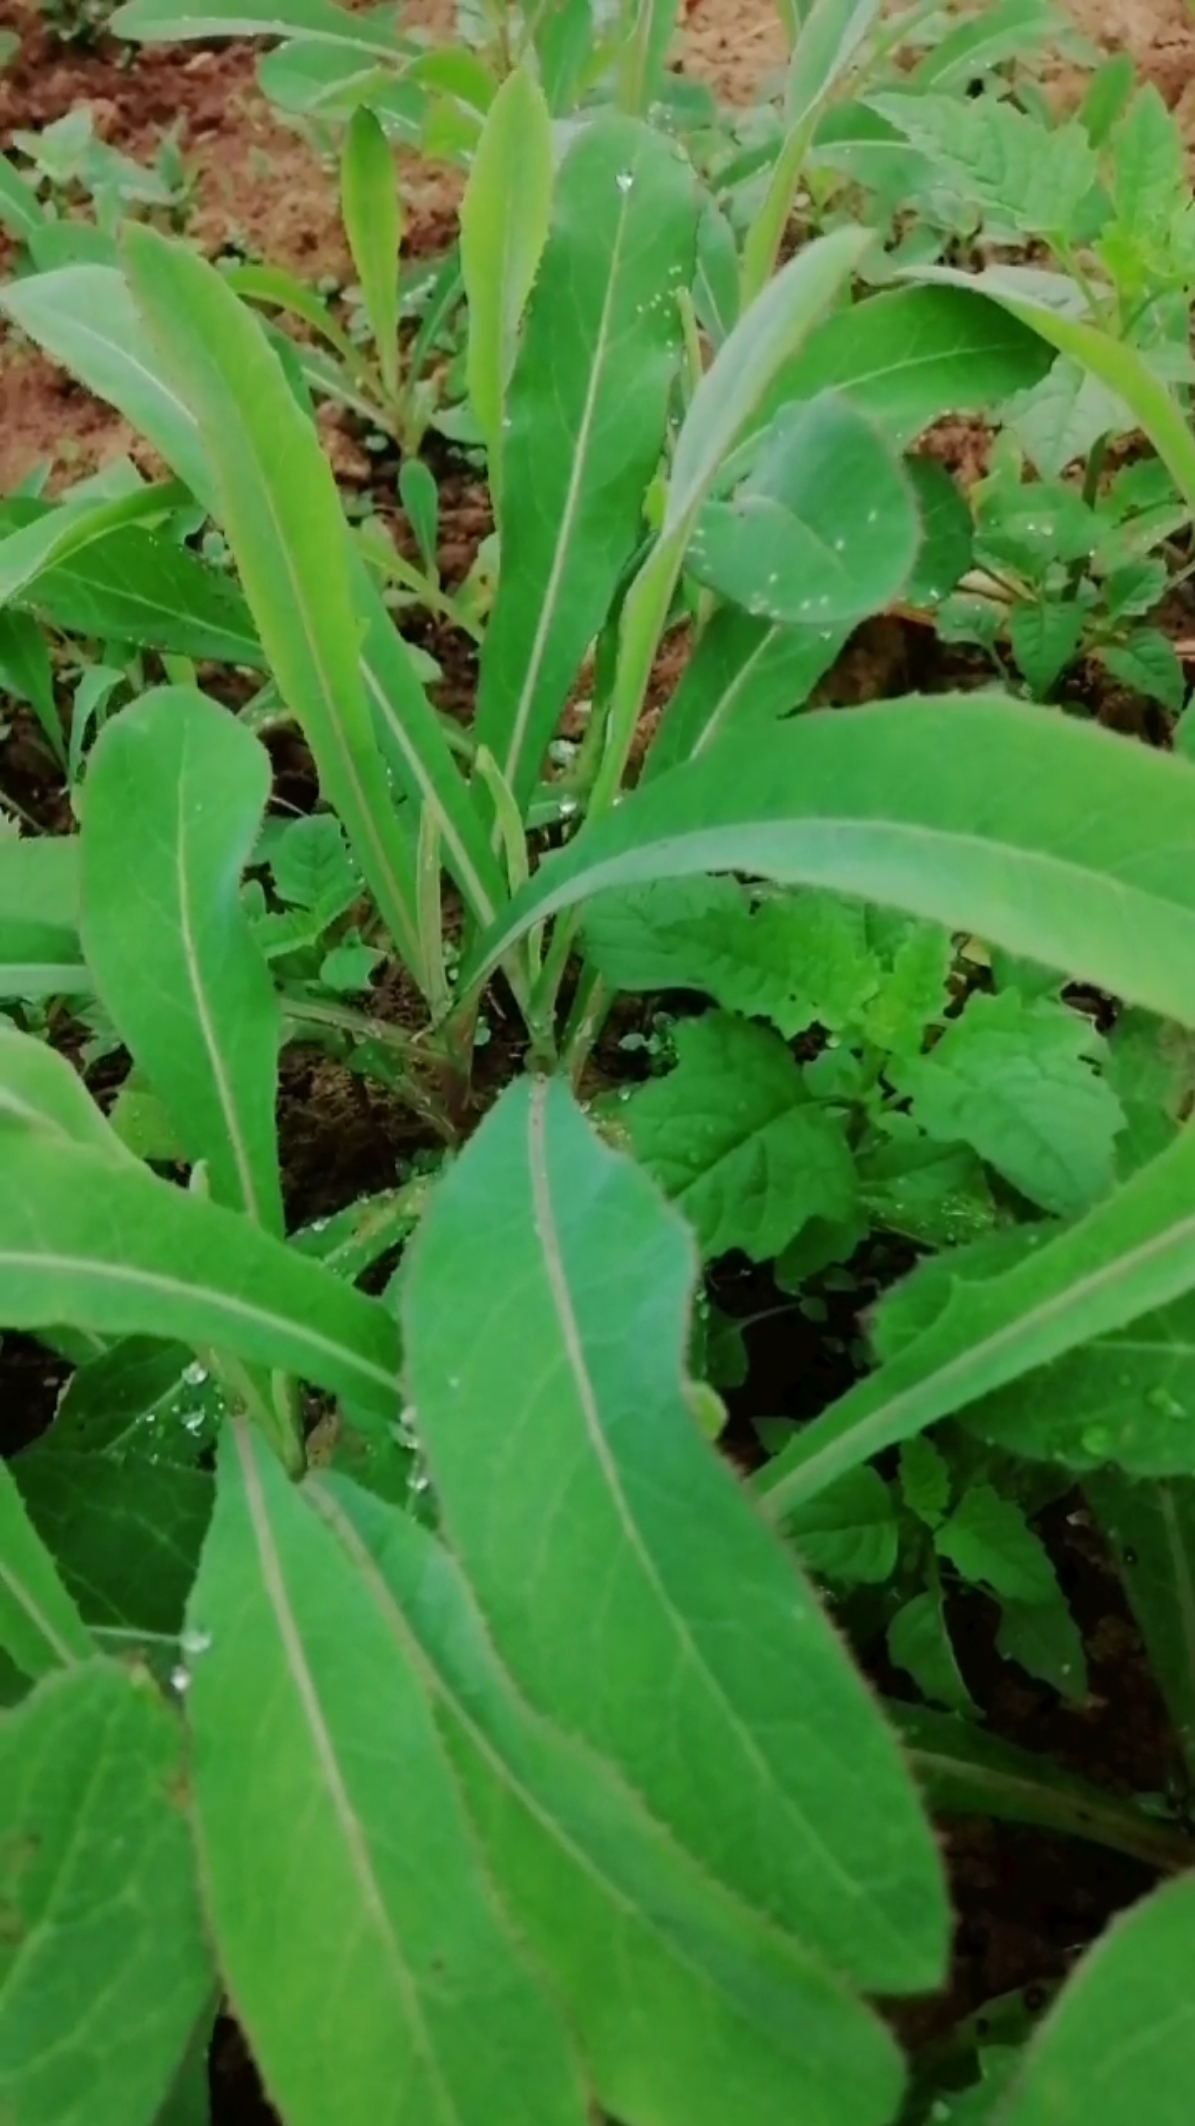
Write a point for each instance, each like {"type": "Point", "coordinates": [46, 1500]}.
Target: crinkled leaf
{"type": "Point", "coordinates": [849, 1532]}
{"type": "Point", "coordinates": [768, 1741]}
{"type": "Point", "coordinates": [731, 1137]}
{"type": "Point", "coordinates": [1011, 1077]}
{"type": "Point", "coordinates": [104, 1965]}
{"type": "Point", "coordinates": [1045, 639]}
{"type": "Point", "coordinates": [1023, 174]}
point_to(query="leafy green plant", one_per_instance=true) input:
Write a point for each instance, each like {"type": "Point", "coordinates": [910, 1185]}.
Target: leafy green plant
{"type": "Point", "coordinates": [387, 1556]}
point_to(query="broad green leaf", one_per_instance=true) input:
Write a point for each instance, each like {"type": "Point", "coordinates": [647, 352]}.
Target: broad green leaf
{"type": "Point", "coordinates": [586, 410]}
{"type": "Point", "coordinates": [372, 211]}
{"type": "Point", "coordinates": [990, 1543]}
{"type": "Point", "coordinates": [1058, 420]}
{"type": "Point", "coordinates": [743, 673]}
{"type": "Point", "coordinates": [1013, 1077]}
{"type": "Point", "coordinates": [823, 531]}
{"type": "Point", "coordinates": [733, 1140]}
{"type": "Point", "coordinates": [798, 959]}
{"type": "Point", "coordinates": [1037, 833]}
{"type": "Point", "coordinates": [1119, 2045]}
{"type": "Point", "coordinates": [967, 1771]}
{"type": "Point", "coordinates": [141, 588]}
{"type": "Point", "coordinates": [55, 535]}
{"type": "Point", "coordinates": [1045, 1640]}
{"type": "Point", "coordinates": [315, 1751]}
{"type": "Point", "coordinates": [143, 1397]}
{"type": "Point", "coordinates": [1023, 175]}
{"type": "Point", "coordinates": [40, 951]}
{"type": "Point", "coordinates": [1151, 1528]}
{"type": "Point", "coordinates": [96, 1245]}
{"type": "Point", "coordinates": [762, 1741]}
{"type": "Point", "coordinates": [1152, 404]}
{"type": "Point", "coordinates": [909, 355]}
{"type": "Point", "coordinates": [504, 220]}
{"type": "Point", "coordinates": [1134, 1252]}
{"type": "Point", "coordinates": [39, 1624]}
{"type": "Point", "coordinates": [167, 938]}
{"type": "Point", "coordinates": [41, 1090]}
{"type": "Point", "coordinates": [279, 506]}
{"type": "Point", "coordinates": [84, 316]}
{"type": "Point", "coordinates": [1148, 165]}
{"type": "Point", "coordinates": [125, 1532]}
{"type": "Point", "coordinates": [687, 2002]}
{"type": "Point", "coordinates": [104, 1968]}
{"type": "Point", "coordinates": [849, 1533]}
{"type": "Point", "coordinates": [316, 21]}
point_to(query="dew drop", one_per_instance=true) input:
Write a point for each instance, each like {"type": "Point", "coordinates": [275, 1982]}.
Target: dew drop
{"type": "Point", "coordinates": [194, 1641]}
{"type": "Point", "coordinates": [624, 180]}
{"type": "Point", "coordinates": [195, 1374]}
{"type": "Point", "coordinates": [180, 1680]}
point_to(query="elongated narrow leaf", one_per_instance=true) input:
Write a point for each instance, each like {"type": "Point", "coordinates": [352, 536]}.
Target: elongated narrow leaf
{"type": "Point", "coordinates": [21, 211]}
{"type": "Point", "coordinates": [1119, 366]}
{"type": "Point", "coordinates": [1152, 1530]}
{"type": "Point", "coordinates": [176, 791]}
{"type": "Point", "coordinates": [279, 506]}
{"type": "Point", "coordinates": [1118, 2049]}
{"type": "Point", "coordinates": [967, 1771]}
{"type": "Point", "coordinates": [315, 21]}
{"type": "Point", "coordinates": [1051, 838]}
{"type": "Point", "coordinates": [373, 224]}
{"type": "Point", "coordinates": [96, 1245]}
{"type": "Point", "coordinates": [39, 1625]}
{"type": "Point", "coordinates": [85, 318]}
{"type": "Point", "coordinates": [504, 226]}
{"type": "Point", "coordinates": [586, 408]}
{"type": "Point", "coordinates": [744, 1729]}
{"type": "Point", "coordinates": [316, 1752]}
{"type": "Point", "coordinates": [147, 590]}
{"type": "Point", "coordinates": [103, 1969]}
{"type": "Point", "coordinates": [828, 39]}
{"type": "Point", "coordinates": [1132, 1253]}
{"type": "Point", "coordinates": [910, 355]}
{"type": "Point", "coordinates": [690, 2007]}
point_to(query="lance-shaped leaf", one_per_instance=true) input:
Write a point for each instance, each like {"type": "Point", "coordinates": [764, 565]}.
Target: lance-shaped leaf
{"type": "Point", "coordinates": [682, 1641]}
{"type": "Point", "coordinates": [1051, 838]}
{"type": "Point", "coordinates": [326, 1809]}
{"type": "Point", "coordinates": [278, 503]}
{"type": "Point", "coordinates": [372, 211]}
{"type": "Point", "coordinates": [40, 1090]}
{"type": "Point", "coordinates": [94, 1244]}
{"type": "Point", "coordinates": [103, 1967]}
{"type": "Point", "coordinates": [1152, 1530]}
{"type": "Point", "coordinates": [1119, 2046]}
{"type": "Point", "coordinates": [586, 408]}
{"type": "Point", "coordinates": [176, 790]}
{"type": "Point", "coordinates": [39, 1625]}
{"type": "Point", "coordinates": [1134, 1252]}
{"type": "Point", "coordinates": [690, 2006]}
{"type": "Point", "coordinates": [56, 534]}
{"type": "Point", "coordinates": [504, 226]}
{"type": "Point", "coordinates": [85, 317]}
{"type": "Point", "coordinates": [315, 21]}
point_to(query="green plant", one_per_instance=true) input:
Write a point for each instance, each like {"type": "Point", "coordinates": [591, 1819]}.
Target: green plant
{"type": "Point", "coordinates": [508, 1703]}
